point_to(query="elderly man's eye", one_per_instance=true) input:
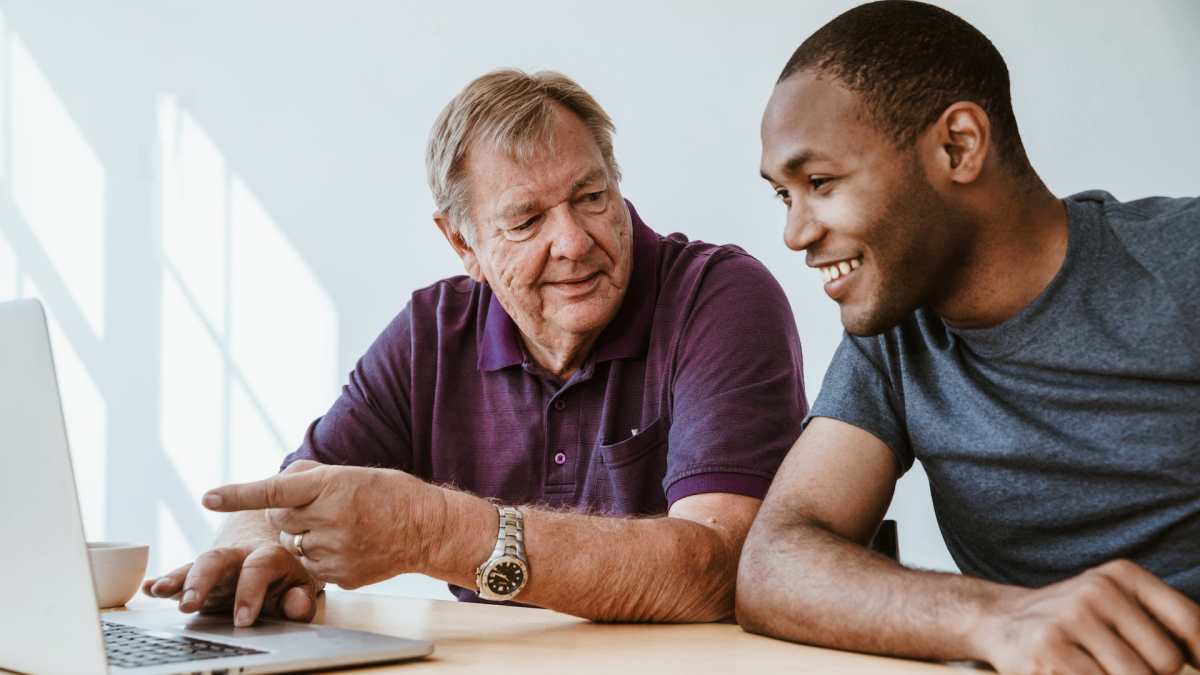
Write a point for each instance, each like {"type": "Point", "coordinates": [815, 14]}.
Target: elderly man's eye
{"type": "Point", "coordinates": [593, 201]}
{"type": "Point", "coordinates": [525, 225]}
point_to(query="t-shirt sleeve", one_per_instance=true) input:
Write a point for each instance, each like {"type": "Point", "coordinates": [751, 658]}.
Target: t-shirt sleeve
{"type": "Point", "coordinates": [738, 385]}
{"type": "Point", "coordinates": [858, 390]}
{"type": "Point", "coordinates": [369, 423]}
{"type": "Point", "coordinates": [1163, 235]}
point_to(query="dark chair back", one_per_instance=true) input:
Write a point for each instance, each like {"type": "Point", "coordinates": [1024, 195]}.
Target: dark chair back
{"type": "Point", "coordinates": [887, 540]}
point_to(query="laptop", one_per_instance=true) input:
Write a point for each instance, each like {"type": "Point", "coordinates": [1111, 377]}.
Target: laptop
{"type": "Point", "coordinates": [48, 617]}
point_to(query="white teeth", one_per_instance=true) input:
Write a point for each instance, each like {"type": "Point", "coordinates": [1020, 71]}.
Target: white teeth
{"type": "Point", "coordinates": [841, 269]}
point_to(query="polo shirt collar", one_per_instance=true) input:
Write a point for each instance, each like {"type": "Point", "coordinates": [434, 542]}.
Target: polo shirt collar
{"type": "Point", "coordinates": [625, 337]}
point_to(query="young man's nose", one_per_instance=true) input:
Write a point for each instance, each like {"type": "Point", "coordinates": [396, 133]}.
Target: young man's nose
{"type": "Point", "coordinates": [802, 228]}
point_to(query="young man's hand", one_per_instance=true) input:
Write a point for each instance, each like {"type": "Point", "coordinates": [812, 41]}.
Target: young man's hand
{"type": "Point", "coordinates": [1115, 618]}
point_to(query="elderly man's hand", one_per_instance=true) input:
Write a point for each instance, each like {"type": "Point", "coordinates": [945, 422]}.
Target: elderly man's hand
{"type": "Point", "coordinates": [247, 573]}
{"type": "Point", "coordinates": [357, 525]}
{"type": "Point", "coordinates": [255, 578]}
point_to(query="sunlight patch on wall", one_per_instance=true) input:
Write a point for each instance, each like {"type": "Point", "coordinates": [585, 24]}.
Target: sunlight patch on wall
{"type": "Point", "coordinates": [192, 362]}
{"type": "Point", "coordinates": [86, 415]}
{"type": "Point", "coordinates": [4, 84]}
{"type": "Point", "coordinates": [193, 209]}
{"type": "Point", "coordinates": [192, 388]}
{"type": "Point", "coordinates": [10, 275]}
{"type": "Point", "coordinates": [171, 548]}
{"type": "Point", "coordinates": [284, 333]}
{"type": "Point", "coordinates": [58, 184]}
{"type": "Point", "coordinates": [255, 451]}
{"type": "Point", "coordinates": [249, 335]}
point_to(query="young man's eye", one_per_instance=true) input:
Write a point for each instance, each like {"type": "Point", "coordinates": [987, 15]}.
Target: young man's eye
{"type": "Point", "coordinates": [783, 196]}
{"type": "Point", "coordinates": [817, 182]}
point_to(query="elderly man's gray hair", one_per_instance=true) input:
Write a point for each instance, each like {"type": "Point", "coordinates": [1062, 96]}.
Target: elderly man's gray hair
{"type": "Point", "coordinates": [512, 111]}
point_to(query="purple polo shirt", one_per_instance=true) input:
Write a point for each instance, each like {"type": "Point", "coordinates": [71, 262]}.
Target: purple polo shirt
{"type": "Point", "coordinates": [695, 387]}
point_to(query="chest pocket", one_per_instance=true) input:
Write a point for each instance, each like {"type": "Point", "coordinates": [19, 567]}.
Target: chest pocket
{"type": "Point", "coordinates": [635, 468]}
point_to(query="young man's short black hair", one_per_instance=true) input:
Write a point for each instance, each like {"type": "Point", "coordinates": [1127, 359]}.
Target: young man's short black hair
{"type": "Point", "coordinates": [910, 61]}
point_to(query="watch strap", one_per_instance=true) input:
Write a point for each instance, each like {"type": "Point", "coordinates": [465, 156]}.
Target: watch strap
{"type": "Point", "coordinates": [510, 539]}
{"type": "Point", "coordinates": [510, 543]}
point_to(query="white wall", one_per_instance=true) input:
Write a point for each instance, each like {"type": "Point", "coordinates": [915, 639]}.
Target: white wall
{"type": "Point", "coordinates": [222, 203]}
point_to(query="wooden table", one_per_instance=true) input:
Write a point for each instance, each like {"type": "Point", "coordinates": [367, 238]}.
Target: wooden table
{"type": "Point", "coordinates": [472, 638]}
{"type": "Point", "coordinates": [498, 640]}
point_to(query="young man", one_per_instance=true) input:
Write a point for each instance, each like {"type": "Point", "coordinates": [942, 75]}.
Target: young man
{"type": "Point", "coordinates": [585, 371]}
{"type": "Point", "coordinates": [1039, 356]}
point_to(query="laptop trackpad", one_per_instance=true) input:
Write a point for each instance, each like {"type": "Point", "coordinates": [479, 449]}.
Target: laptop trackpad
{"type": "Point", "coordinates": [225, 628]}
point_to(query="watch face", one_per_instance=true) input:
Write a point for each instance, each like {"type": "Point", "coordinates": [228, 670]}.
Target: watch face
{"type": "Point", "coordinates": [505, 577]}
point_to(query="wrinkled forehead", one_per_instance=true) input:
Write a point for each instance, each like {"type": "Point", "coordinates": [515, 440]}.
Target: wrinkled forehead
{"type": "Point", "coordinates": [546, 165]}
{"type": "Point", "coordinates": [813, 116]}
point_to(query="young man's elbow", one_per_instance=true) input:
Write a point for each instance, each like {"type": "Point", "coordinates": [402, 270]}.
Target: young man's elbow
{"type": "Point", "coordinates": [751, 594]}
{"type": "Point", "coordinates": [752, 611]}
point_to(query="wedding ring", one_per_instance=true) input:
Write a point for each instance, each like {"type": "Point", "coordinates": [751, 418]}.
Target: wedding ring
{"type": "Point", "coordinates": [297, 544]}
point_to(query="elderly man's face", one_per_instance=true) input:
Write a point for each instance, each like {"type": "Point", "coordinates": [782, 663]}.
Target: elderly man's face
{"type": "Point", "coordinates": [553, 235]}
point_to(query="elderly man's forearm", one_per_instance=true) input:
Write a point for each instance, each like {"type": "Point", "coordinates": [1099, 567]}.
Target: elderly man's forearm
{"type": "Point", "coordinates": [805, 584]}
{"type": "Point", "coordinates": [604, 569]}
{"type": "Point", "coordinates": [247, 528]}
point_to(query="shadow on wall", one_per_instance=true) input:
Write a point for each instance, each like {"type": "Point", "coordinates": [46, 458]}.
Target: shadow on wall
{"type": "Point", "coordinates": [193, 340]}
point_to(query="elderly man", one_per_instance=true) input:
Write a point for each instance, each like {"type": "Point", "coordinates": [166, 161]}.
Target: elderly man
{"type": "Point", "coordinates": [585, 371]}
{"type": "Point", "coordinates": [1038, 355]}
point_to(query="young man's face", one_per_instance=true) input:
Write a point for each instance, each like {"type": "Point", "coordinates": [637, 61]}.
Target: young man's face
{"type": "Point", "coordinates": [884, 240]}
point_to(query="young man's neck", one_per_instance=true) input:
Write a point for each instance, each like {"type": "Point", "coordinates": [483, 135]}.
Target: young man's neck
{"type": "Point", "coordinates": [1021, 246]}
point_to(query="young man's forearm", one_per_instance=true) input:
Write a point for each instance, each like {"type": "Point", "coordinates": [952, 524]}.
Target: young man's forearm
{"type": "Point", "coordinates": [604, 569]}
{"type": "Point", "coordinates": [802, 583]}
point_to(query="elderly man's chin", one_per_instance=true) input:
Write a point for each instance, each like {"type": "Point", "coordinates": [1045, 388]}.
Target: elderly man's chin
{"type": "Point", "coordinates": [585, 315]}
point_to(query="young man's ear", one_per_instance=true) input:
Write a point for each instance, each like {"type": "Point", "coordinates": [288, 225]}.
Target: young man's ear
{"type": "Point", "coordinates": [960, 142]}
{"type": "Point", "coordinates": [460, 246]}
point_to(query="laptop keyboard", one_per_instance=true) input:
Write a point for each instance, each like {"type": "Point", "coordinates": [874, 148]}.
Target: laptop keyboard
{"type": "Point", "coordinates": [132, 647]}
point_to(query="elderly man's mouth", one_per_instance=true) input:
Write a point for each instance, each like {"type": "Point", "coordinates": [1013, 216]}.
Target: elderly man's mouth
{"type": "Point", "coordinates": [577, 285]}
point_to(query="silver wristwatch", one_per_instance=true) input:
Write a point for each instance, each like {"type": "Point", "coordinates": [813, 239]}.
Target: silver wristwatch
{"type": "Point", "coordinates": [506, 571]}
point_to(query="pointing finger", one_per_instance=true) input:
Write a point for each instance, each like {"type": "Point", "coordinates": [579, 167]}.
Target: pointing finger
{"type": "Point", "coordinates": [301, 465]}
{"type": "Point", "coordinates": [283, 491]}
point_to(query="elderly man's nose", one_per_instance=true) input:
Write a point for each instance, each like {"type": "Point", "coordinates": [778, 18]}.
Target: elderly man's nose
{"type": "Point", "coordinates": [571, 239]}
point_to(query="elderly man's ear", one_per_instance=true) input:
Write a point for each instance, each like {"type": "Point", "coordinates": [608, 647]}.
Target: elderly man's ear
{"type": "Point", "coordinates": [460, 246]}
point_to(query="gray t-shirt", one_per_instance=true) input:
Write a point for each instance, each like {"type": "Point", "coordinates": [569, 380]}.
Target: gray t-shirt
{"type": "Point", "coordinates": [1068, 435]}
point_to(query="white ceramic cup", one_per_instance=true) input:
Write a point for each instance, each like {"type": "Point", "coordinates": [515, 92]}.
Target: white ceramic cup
{"type": "Point", "coordinates": [117, 570]}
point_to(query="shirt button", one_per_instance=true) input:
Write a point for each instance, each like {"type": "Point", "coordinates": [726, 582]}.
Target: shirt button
{"type": "Point", "coordinates": [559, 405]}
{"type": "Point", "coordinates": [560, 458]}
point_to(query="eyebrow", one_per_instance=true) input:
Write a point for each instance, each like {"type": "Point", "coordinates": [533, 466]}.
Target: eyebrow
{"type": "Point", "coordinates": [797, 161]}
{"type": "Point", "coordinates": [521, 208]}
{"type": "Point", "coordinates": [593, 176]}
